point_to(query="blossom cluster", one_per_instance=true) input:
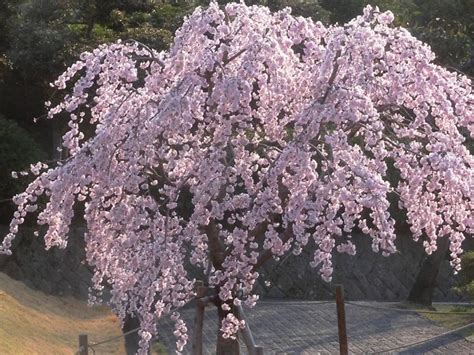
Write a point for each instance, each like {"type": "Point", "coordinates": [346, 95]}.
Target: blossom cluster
{"type": "Point", "coordinates": [255, 135]}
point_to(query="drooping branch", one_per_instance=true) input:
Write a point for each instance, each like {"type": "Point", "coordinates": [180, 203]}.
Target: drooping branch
{"type": "Point", "coordinates": [266, 255]}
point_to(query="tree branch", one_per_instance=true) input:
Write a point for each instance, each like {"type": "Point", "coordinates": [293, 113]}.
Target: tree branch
{"type": "Point", "coordinates": [216, 249]}
{"type": "Point", "coordinates": [267, 254]}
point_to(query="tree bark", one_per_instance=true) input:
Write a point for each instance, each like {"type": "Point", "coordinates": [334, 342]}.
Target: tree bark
{"type": "Point", "coordinates": [91, 12]}
{"type": "Point", "coordinates": [131, 340]}
{"type": "Point", "coordinates": [217, 255]}
{"type": "Point", "coordinates": [426, 280]}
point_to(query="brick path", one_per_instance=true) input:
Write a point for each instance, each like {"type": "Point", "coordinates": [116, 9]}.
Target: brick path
{"type": "Point", "coordinates": [290, 327]}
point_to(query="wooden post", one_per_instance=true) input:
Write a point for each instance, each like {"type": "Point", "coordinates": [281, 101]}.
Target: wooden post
{"type": "Point", "coordinates": [83, 345]}
{"type": "Point", "coordinates": [341, 320]}
{"type": "Point", "coordinates": [246, 333]}
{"type": "Point", "coordinates": [199, 318]}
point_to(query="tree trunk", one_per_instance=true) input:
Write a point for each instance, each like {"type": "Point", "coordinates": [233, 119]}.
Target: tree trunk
{"type": "Point", "coordinates": [216, 250]}
{"type": "Point", "coordinates": [131, 340]}
{"type": "Point", "coordinates": [225, 346]}
{"type": "Point", "coordinates": [91, 13]}
{"type": "Point", "coordinates": [426, 280]}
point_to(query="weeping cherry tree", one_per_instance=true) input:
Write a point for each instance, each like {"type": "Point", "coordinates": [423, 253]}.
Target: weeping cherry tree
{"type": "Point", "coordinates": [254, 135]}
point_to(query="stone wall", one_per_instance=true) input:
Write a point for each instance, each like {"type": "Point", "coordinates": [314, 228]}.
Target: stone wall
{"type": "Point", "coordinates": [57, 271]}
{"type": "Point", "coordinates": [365, 276]}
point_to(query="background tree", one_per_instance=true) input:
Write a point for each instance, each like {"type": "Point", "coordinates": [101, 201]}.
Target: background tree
{"type": "Point", "coordinates": [465, 285]}
{"type": "Point", "coordinates": [17, 151]}
{"type": "Point", "coordinates": [41, 38]}
{"type": "Point", "coordinates": [446, 25]}
{"type": "Point", "coordinates": [278, 130]}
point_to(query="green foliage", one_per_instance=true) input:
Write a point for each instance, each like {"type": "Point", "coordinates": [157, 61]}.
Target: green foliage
{"type": "Point", "coordinates": [37, 51]}
{"type": "Point", "coordinates": [7, 9]}
{"type": "Point", "coordinates": [168, 16]}
{"type": "Point", "coordinates": [17, 151]}
{"type": "Point", "coordinates": [47, 35]}
{"type": "Point", "coordinates": [466, 276]}
{"type": "Point", "coordinates": [306, 8]}
{"type": "Point", "coordinates": [103, 33]}
{"type": "Point", "coordinates": [156, 38]}
{"type": "Point", "coordinates": [5, 66]}
{"type": "Point", "coordinates": [446, 25]}
{"type": "Point", "coordinates": [136, 19]}
{"type": "Point", "coordinates": [342, 11]}
{"type": "Point", "coordinates": [38, 39]}
{"type": "Point", "coordinates": [43, 37]}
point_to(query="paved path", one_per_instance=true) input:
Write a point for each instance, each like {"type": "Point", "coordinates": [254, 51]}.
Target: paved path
{"type": "Point", "coordinates": [290, 327]}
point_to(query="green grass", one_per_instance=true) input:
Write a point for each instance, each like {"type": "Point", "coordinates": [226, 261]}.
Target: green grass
{"type": "Point", "coordinates": [158, 349]}
{"type": "Point", "coordinates": [455, 320]}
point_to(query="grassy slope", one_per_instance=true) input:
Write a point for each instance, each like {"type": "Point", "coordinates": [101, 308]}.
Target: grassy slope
{"type": "Point", "coordinates": [34, 323]}
{"type": "Point", "coordinates": [453, 321]}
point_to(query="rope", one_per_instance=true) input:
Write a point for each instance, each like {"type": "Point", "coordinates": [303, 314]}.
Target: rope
{"type": "Point", "coordinates": [124, 334]}
{"type": "Point", "coordinates": [92, 345]}
{"type": "Point", "coordinates": [425, 340]}
{"type": "Point", "coordinates": [295, 302]}
{"type": "Point", "coordinates": [366, 306]}
{"type": "Point", "coordinates": [115, 337]}
{"type": "Point", "coordinates": [406, 310]}
{"type": "Point", "coordinates": [137, 329]}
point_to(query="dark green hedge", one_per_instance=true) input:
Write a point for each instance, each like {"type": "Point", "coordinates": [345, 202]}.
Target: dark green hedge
{"type": "Point", "coordinates": [17, 151]}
